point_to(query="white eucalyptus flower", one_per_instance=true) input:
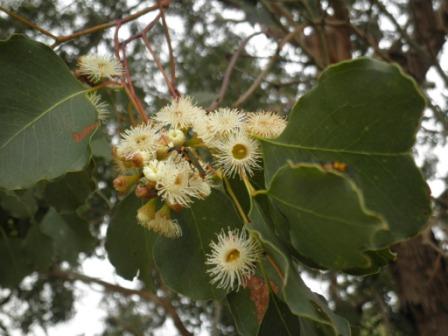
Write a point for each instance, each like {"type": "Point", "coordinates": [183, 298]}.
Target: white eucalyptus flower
{"type": "Point", "coordinates": [232, 259]}
{"type": "Point", "coordinates": [173, 185]}
{"type": "Point", "coordinates": [225, 121]}
{"type": "Point", "coordinates": [97, 67]}
{"type": "Point", "coordinates": [140, 139]}
{"type": "Point", "coordinates": [101, 107]}
{"type": "Point", "coordinates": [238, 154]}
{"type": "Point", "coordinates": [180, 113]}
{"type": "Point", "coordinates": [264, 124]}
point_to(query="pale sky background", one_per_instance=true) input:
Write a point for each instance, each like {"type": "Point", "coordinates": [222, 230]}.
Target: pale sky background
{"type": "Point", "coordinates": [88, 320]}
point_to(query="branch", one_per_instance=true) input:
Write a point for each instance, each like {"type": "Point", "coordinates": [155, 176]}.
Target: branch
{"type": "Point", "coordinates": [428, 32]}
{"type": "Point", "coordinates": [170, 48]}
{"type": "Point", "coordinates": [266, 70]}
{"type": "Point", "coordinates": [65, 38]}
{"type": "Point", "coordinates": [126, 79]}
{"type": "Point", "coordinates": [156, 59]}
{"type": "Point", "coordinates": [277, 11]}
{"type": "Point", "coordinates": [229, 70]}
{"type": "Point", "coordinates": [103, 26]}
{"type": "Point", "coordinates": [144, 294]}
{"type": "Point", "coordinates": [28, 23]}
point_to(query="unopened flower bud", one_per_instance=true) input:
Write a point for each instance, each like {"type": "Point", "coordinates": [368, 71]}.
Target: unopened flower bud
{"type": "Point", "coordinates": [147, 212]}
{"type": "Point", "coordinates": [153, 170]}
{"type": "Point", "coordinates": [143, 191]}
{"type": "Point", "coordinates": [175, 207]}
{"type": "Point", "coordinates": [123, 183]}
{"type": "Point", "coordinates": [162, 152]}
{"type": "Point", "coordinates": [176, 137]}
{"type": "Point", "coordinates": [137, 160]}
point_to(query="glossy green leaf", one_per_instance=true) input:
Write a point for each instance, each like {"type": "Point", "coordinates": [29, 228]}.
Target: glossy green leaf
{"type": "Point", "coordinates": [328, 221]}
{"type": "Point", "coordinates": [181, 262]}
{"type": "Point", "coordinates": [128, 244]}
{"type": "Point", "coordinates": [46, 118]}
{"type": "Point", "coordinates": [364, 113]}
{"type": "Point", "coordinates": [289, 286]}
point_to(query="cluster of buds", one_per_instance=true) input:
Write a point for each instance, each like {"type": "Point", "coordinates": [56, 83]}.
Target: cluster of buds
{"type": "Point", "coordinates": [177, 157]}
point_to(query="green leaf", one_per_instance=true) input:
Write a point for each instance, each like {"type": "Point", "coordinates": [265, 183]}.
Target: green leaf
{"type": "Point", "coordinates": [70, 191]}
{"type": "Point", "coordinates": [20, 257]}
{"type": "Point", "coordinates": [328, 221]}
{"type": "Point", "coordinates": [181, 262]}
{"type": "Point", "coordinates": [279, 320]}
{"type": "Point", "coordinates": [46, 118]}
{"type": "Point", "coordinates": [290, 287]}
{"type": "Point", "coordinates": [364, 113]}
{"type": "Point", "coordinates": [14, 266]}
{"type": "Point", "coordinates": [37, 248]}
{"type": "Point", "coordinates": [101, 146]}
{"type": "Point", "coordinates": [244, 312]}
{"type": "Point", "coordinates": [19, 204]}
{"type": "Point", "coordinates": [128, 244]}
{"type": "Point", "coordinates": [70, 235]}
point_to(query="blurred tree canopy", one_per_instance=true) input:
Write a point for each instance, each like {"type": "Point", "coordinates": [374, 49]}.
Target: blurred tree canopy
{"type": "Point", "coordinates": [277, 49]}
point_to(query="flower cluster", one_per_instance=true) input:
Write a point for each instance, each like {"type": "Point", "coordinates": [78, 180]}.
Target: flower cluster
{"type": "Point", "coordinates": [175, 158]}
{"type": "Point", "coordinates": [178, 157]}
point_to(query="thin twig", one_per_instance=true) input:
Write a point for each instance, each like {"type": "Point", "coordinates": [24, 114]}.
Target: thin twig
{"type": "Point", "coordinates": [166, 31]}
{"type": "Point", "coordinates": [235, 200]}
{"type": "Point", "coordinates": [266, 70]}
{"type": "Point", "coordinates": [156, 59]}
{"type": "Point", "coordinates": [229, 70]}
{"type": "Point", "coordinates": [126, 79]}
{"type": "Point", "coordinates": [144, 294]}
{"type": "Point", "coordinates": [103, 26]}
{"type": "Point", "coordinates": [426, 54]}
{"type": "Point", "coordinates": [319, 26]}
{"type": "Point", "coordinates": [28, 23]}
{"type": "Point", "coordinates": [145, 30]}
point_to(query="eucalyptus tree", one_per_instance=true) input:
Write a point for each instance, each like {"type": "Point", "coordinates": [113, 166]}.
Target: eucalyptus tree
{"type": "Point", "coordinates": [188, 187]}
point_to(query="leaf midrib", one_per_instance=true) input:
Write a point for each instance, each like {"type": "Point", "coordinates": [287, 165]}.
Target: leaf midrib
{"type": "Point", "coordinates": [34, 120]}
{"type": "Point", "coordinates": [315, 214]}
{"type": "Point", "coordinates": [333, 150]}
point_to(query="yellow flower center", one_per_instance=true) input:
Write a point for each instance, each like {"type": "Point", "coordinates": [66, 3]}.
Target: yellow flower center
{"type": "Point", "coordinates": [239, 151]}
{"type": "Point", "coordinates": [232, 255]}
{"type": "Point", "coordinates": [178, 181]}
{"type": "Point", "coordinates": [139, 140]}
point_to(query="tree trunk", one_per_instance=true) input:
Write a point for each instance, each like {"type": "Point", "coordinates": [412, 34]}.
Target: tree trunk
{"type": "Point", "coordinates": [421, 275]}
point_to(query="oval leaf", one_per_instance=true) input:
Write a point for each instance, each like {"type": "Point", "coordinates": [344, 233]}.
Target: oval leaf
{"type": "Point", "coordinates": [363, 113]}
{"type": "Point", "coordinates": [46, 118]}
{"type": "Point", "coordinates": [128, 244]}
{"type": "Point", "coordinates": [327, 218]}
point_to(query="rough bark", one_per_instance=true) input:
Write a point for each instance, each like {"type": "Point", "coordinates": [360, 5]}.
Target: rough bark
{"type": "Point", "coordinates": [421, 275]}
